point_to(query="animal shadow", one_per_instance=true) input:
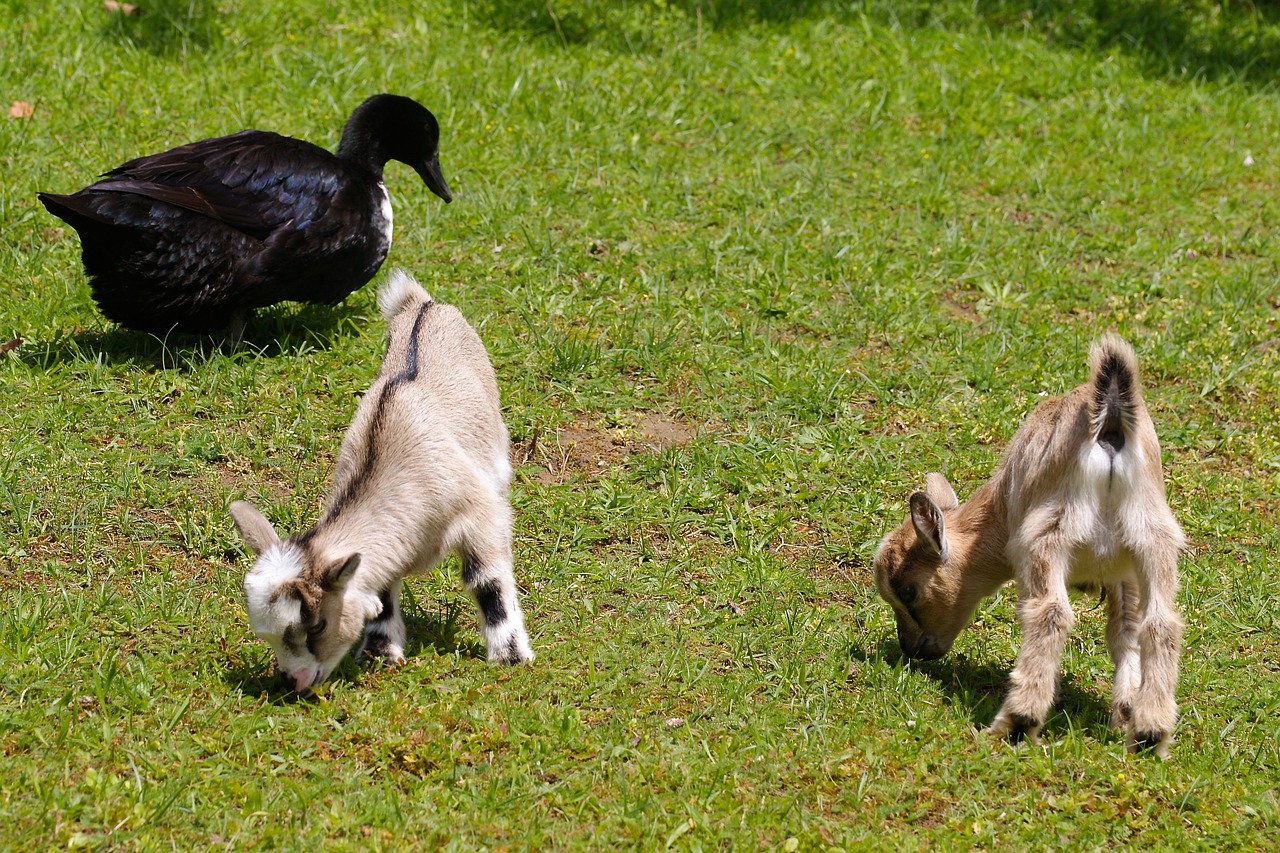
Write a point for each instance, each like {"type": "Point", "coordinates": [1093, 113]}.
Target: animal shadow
{"type": "Point", "coordinates": [270, 333]}
{"type": "Point", "coordinates": [423, 630]}
{"type": "Point", "coordinates": [261, 679]}
{"type": "Point", "coordinates": [439, 631]}
{"type": "Point", "coordinates": [616, 27]}
{"type": "Point", "coordinates": [979, 687]}
{"type": "Point", "coordinates": [166, 27]}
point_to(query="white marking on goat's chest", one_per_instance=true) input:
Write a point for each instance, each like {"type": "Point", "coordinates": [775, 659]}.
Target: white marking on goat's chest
{"type": "Point", "coordinates": [382, 218]}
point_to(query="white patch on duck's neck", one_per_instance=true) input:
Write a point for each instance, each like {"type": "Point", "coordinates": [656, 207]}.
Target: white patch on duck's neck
{"type": "Point", "coordinates": [382, 218]}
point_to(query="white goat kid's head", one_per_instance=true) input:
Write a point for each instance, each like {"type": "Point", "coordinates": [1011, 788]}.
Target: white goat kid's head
{"type": "Point", "coordinates": [299, 604]}
{"type": "Point", "coordinates": [911, 575]}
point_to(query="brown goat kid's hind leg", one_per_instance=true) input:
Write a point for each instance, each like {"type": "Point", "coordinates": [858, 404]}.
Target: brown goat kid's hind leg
{"type": "Point", "coordinates": [1044, 612]}
{"type": "Point", "coordinates": [1159, 641]}
{"type": "Point", "coordinates": [1122, 642]}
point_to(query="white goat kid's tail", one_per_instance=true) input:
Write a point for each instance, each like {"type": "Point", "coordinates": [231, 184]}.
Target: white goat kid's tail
{"type": "Point", "coordinates": [399, 293]}
{"type": "Point", "coordinates": [1117, 396]}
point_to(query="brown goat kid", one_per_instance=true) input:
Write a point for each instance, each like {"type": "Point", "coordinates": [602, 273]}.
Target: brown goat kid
{"type": "Point", "coordinates": [1077, 500]}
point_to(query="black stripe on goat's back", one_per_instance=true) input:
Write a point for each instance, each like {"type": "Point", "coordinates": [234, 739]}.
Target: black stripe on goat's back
{"type": "Point", "coordinates": [410, 371]}
{"type": "Point", "coordinates": [364, 471]}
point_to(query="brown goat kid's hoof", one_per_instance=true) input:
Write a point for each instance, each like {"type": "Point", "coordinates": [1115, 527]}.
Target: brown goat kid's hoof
{"type": "Point", "coordinates": [1016, 728]}
{"type": "Point", "coordinates": [1156, 742]}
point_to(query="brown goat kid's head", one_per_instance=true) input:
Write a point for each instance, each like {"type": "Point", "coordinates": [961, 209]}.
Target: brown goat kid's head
{"type": "Point", "coordinates": [919, 572]}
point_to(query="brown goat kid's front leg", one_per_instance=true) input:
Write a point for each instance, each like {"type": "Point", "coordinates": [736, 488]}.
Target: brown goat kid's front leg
{"type": "Point", "coordinates": [1159, 641]}
{"type": "Point", "coordinates": [1044, 611]}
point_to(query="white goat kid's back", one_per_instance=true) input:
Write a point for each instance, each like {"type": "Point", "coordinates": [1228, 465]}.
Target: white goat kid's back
{"type": "Point", "coordinates": [423, 472]}
{"type": "Point", "coordinates": [1078, 499]}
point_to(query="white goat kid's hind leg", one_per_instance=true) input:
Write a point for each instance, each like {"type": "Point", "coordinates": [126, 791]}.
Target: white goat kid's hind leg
{"type": "Point", "coordinates": [1122, 642]}
{"type": "Point", "coordinates": [487, 575]}
{"type": "Point", "coordinates": [1159, 642]}
{"type": "Point", "coordinates": [1044, 611]}
{"type": "Point", "coordinates": [384, 636]}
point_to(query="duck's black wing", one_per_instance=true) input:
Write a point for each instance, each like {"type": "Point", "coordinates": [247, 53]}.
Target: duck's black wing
{"type": "Point", "coordinates": [254, 181]}
{"type": "Point", "coordinates": [187, 237]}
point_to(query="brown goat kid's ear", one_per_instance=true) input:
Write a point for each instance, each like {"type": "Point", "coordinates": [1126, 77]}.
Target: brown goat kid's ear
{"type": "Point", "coordinates": [926, 517]}
{"type": "Point", "coordinates": [937, 488]}
{"type": "Point", "coordinates": [339, 573]}
{"type": "Point", "coordinates": [254, 528]}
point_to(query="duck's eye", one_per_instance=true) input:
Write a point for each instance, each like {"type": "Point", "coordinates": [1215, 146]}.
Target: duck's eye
{"type": "Point", "coordinates": [317, 629]}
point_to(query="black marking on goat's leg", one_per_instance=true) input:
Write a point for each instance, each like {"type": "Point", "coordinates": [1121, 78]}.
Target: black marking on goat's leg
{"type": "Point", "coordinates": [1022, 726]}
{"type": "Point", "coordinates": [510, 654]}
{"type": "Point", "coordinates": [388, 607]}
{"type": "Point", "coordinates": [380, 635]}
{"type": "Point", "coordinates": [377, 645]}
{"type": "Point", "coordinates": [471, 569]}
{"type": "Point", "coordinates": [1147, 740]}
{"type": "Point", "coordinates": [489, 599]}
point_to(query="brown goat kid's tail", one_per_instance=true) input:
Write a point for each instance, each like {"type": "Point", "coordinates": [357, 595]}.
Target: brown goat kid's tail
{"type": "Point", "coordinates": [1113, 369]}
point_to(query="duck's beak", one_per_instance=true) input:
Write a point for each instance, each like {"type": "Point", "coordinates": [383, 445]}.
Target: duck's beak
{"type": "Point", "coordinates": [434, 178]}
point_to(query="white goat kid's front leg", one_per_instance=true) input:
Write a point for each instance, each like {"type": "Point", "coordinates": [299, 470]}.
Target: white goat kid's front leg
{"type": "Point", "coordinates": [384, 635]}
{"type": "Point", "coordinates": [1044, 611]}
{"type": "Point", "coordinates": [487, 575]}
{"type": "Point", "coordinates": [1159, 642]}
{"type": "Point", "coordinates": [1122, 642]}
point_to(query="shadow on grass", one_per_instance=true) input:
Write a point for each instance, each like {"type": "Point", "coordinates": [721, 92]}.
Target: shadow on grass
{"type": "Point", "coordinates": [979, 687]}
{"type": "Point", "coordinates": [270, 333]}
{"type": "Point", "coordinates": [628, 26]}
{"type": "Point", "coordinates": [438, 631]}
{"type": "Point", "coordinates": [165, 27]}
{"type": "Point", "coordinates": [1169, 38]}
{"type": "Point", "coordinates": [1176, 39]}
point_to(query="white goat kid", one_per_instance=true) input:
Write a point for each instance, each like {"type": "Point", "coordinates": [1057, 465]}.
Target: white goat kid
{"type": "Point", "coordinates": [423, 472]}
{"type": "Point", "coordinates": [1077, 499]}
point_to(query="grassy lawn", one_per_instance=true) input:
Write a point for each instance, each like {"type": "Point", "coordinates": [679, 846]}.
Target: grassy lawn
{"type": "Point", "coordinates": [747, 270]}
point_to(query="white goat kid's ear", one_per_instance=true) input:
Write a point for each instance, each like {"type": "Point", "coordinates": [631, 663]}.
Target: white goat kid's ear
{"type": "Point", "coordinates": [340, 572]}
{"type": "Point", "coordinates": [937, 488]}
{"type": "Point", "coordinates": [926, 517]}
{"type": "Point", "coordinates": [254, 528]}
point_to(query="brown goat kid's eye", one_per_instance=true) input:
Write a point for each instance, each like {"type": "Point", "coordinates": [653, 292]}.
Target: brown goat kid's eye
{"type": "Point", "coordinates": [908, 594]}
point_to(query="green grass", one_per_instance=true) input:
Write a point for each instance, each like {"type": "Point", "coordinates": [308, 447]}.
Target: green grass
{"type": "Point", "coordinates": [747, 271]}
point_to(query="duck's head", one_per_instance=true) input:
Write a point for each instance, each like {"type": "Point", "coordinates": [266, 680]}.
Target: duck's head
{"type": "Point", "coordinates": [393, 127]}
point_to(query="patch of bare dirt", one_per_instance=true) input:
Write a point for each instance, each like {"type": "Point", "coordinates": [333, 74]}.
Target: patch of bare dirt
{"type": "Point", "coordinates": [586, 449]}
{"type": "Point", "coordinates": [237, 475]}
